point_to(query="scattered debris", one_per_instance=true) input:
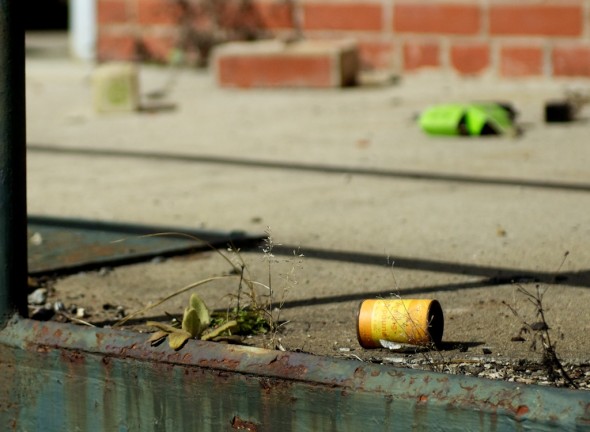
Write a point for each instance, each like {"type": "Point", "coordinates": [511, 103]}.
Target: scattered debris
{"type": "Point", "coordinates": [394, 360]}
{"type": "Point", "coordinates": [566, 110]}
{"type": "Point", "coordinates": [390, 345]}
{"type": "Point", "coordinates": [43, 313]}
{"type": "Point", "coordinates": [279, 346]}
{"type": "Point", "coordinates": [469, 119]}
{"type": "Point", "coordinates": [38, 297]}
{"type": "Point", "coordinates": [511, 370]}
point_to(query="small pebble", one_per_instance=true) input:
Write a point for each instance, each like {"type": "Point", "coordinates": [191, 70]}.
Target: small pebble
{"type": "Point", "coordinates": [58, 306]}
{"type": "Point", "coordinates": [394, 360]}
{"type": "Point", "coordinates": [539, 326]}
{"type": "Point", "coordinates": [81, 313]}
{"type": "Point", "coordinates": [36, 239]}
{"type": "Point", "coordinates": [104, 271]}
{"type": "Point", "coordinates": [38, 297]}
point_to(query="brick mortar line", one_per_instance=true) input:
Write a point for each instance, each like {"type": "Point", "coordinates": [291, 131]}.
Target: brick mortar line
{"type": "Point", "coordinates": [586, 19]}
{"type": "Point", "coordinates": [387, 16]}
{"type": "Point", "coordinates": [484, 14]}
{"type": "Point", "coordinates": [495, 59]}
{"type": "Point", "coordinates": [548, 69]}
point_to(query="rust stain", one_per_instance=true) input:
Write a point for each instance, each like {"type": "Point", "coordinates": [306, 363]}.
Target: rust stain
{"type": "Point", "coordinates": [44, 331]}
{"type": "Point", "coordinates": [239, 424]}
{"type": "Point", "coordinates": [223, 363]}
{"type": "Point", "coordinates": [375, 373]}
{"type": "Point", "coordinates": [74, 357]}
{"type": "Point", "coordinates": [360, 372]}
{"type": "Point", "coordinates": [468, 388]}
{"type": "Point", "coordinates": [422, 398]}
{"type": "Point", "coordinates": [123, 351]}
{"type": "Point", "coordinates": [57, 334]}
{"type": "Point", "coordinates": [282, 367]}
{"type": "Point", "coordinates": [398, 374]}
{"type": "Point", "coordinates": [187, 357]}
{"type": "Point", "coordinates": [173, 358]}
{"type": "Point", "coordinates": [266, 385]}
{"type": "Point", "coordinates": [522, 410]}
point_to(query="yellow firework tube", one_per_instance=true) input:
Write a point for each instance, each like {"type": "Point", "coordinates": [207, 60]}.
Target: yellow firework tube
{"type": "Point", "coordinates": [407, 321]}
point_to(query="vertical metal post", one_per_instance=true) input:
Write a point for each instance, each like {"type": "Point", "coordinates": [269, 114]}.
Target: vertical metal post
{"type": "Point", "coordinates": [13, 200]}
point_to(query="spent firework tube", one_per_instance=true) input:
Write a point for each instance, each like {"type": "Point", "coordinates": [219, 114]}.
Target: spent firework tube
{"type": "Point", "coordinates": [406, 321]}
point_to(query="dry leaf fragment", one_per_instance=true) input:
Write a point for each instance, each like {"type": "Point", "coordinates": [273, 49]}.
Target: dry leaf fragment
{"type": "Point", "coordinates": [157, 337]}
{"type": "Point", "coordinates": [178, 338]}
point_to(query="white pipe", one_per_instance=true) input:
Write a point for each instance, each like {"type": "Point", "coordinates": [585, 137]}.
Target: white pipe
{"type": "Point", "coordinates": [83, 29]}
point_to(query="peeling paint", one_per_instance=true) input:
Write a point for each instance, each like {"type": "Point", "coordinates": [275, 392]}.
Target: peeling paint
{"type": "Point", "coordinates": [219, 363]}
{"type": "Point", "coordinates": [244, 425]}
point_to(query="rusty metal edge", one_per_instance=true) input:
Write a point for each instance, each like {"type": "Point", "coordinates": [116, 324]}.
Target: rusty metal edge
{"type": "Point", "coordinates": [532, 406]}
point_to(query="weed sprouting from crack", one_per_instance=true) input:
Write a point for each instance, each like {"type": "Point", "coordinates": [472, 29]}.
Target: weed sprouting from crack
{"type": "Point", "coordinates": [540, 332]}
{"type": "Point", "coordinates": [252, 313]}
{"type": "Point", "coordinates": [289, 281]}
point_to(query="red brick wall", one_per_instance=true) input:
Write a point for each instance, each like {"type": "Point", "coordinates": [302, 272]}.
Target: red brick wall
{"type": "Point", "coordinates": [503, 38]}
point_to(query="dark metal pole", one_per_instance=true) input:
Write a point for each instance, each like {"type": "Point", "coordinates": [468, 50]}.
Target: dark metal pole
{"type": "Point", "coordinates": [13, 200]}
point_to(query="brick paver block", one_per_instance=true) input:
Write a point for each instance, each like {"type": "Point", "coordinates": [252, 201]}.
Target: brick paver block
{"type": "Point", "coordinates": [304, 64]}
{"type": "Point", "coordinates": [115, 87]}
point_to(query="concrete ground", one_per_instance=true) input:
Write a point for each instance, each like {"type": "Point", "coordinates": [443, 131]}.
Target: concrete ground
{"type": "Point", "coordinates": [343, 176]}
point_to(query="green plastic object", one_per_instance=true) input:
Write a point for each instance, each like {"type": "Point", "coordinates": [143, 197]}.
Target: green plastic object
{"type": "Point", "coordinates": [467, 119]}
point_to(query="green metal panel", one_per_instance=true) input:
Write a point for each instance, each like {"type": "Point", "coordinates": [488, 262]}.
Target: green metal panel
{"type": "Point", "coordinates": [13, 190]}
{"type": "Point", "coordinates": [60, 377]}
